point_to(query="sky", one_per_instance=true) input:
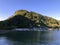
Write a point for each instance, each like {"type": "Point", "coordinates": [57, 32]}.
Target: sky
{"type": "Point", "coordinates": [49, 8]}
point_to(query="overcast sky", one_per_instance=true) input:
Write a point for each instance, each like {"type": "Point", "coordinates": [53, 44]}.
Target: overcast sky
{"type": "Point", "coordinates": [45, 7]}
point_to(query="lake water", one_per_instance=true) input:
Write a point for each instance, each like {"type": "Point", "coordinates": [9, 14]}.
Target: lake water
{"type": "Point", "coordinates": [30, 38]}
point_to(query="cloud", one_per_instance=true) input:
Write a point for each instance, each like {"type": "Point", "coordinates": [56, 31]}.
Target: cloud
{"type": "Point", "coordinates": [1, 19]}
{"type": "Point", "coordinates": [57, 18]}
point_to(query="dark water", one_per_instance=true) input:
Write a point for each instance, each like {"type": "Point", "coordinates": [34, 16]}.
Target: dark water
{"type": "Point", "coordinates": [31, 38]}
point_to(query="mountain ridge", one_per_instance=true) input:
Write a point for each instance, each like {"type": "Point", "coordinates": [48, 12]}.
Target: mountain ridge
{"type": "Point", "coordinates": [29, 19]}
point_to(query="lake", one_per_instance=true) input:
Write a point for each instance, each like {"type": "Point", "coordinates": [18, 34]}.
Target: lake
{"type": "Point", "coordinates": [31, 38]}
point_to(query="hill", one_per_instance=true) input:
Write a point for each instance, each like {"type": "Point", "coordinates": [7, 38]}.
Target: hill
{"type": "Point", "coordinates": [26, 19]}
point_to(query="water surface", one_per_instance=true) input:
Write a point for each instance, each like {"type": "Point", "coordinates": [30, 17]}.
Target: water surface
{"type": "Point", "coordinates": [31, 38]}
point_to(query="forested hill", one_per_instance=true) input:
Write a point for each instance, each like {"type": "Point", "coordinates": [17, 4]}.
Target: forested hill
{"type": "Point", "coordinates": [28, 19]}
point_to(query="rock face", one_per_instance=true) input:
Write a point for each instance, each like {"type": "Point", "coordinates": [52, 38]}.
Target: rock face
{"type": "Point", "coordinates": [39, 19]}
{"type": "Point", "coordinates": [26, 19]}
{"type": "Point", "coordinates": [30, 15]}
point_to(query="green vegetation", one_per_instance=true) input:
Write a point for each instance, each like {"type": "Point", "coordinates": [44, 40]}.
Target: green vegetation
{"type": "Point", "coordinates": [26, 19]}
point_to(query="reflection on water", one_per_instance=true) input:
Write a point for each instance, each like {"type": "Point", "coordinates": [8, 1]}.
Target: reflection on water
{"type": "Point", "coordinates": [31, 38]}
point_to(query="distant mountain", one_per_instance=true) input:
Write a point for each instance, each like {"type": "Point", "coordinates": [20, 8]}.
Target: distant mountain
{"type": "Point", "coordinates": [26, 19]}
